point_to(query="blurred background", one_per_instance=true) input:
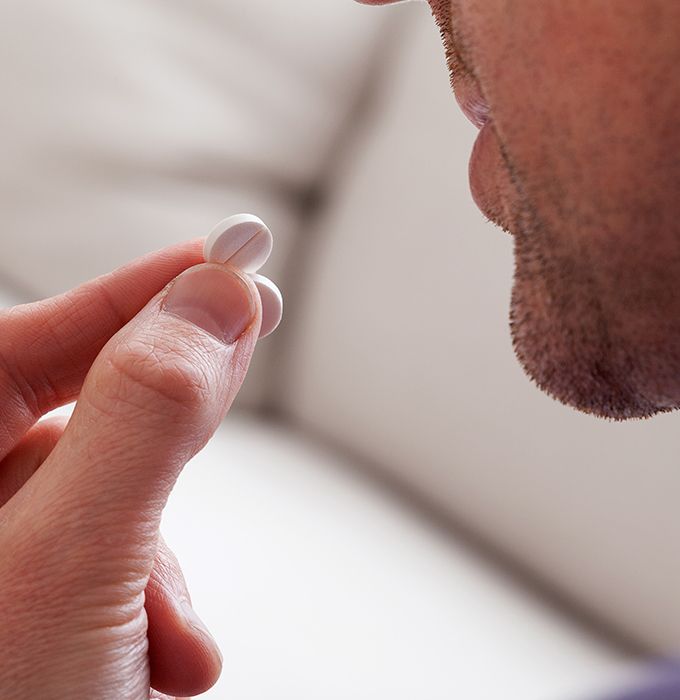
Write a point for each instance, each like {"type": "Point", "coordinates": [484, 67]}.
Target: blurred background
{"type": "Point", "coordinates": [393, 510]}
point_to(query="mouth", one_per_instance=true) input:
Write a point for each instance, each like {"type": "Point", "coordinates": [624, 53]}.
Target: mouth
{"type": "Point", "coordinates": [487, 171]}
{"type": "Point", "coordinates": [470, 100]}
{"type": "Point", "coordinates": [488, 175]}
{"type": "Point", "coordinates": [463, 81]}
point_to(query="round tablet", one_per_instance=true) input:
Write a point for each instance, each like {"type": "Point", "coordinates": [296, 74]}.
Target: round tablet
{"type": "Point", "coordinates": [272, 304]}
{"type": "Point", "coordinates": [242, 240]}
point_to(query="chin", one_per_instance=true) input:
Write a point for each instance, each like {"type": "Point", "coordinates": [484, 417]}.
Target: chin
{"type": "Point", "coordinates": [570, 357]}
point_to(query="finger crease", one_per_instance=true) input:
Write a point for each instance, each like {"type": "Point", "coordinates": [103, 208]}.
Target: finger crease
{"type": "Point", "coordinates": [16, 385]}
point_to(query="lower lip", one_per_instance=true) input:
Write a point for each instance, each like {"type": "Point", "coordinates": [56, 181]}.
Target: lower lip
{"type": "Point", "coordinates": [484, 170]}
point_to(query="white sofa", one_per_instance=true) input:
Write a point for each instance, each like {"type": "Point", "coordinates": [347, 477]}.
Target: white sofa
{"type": "Point", "coordinates": [395, 511]}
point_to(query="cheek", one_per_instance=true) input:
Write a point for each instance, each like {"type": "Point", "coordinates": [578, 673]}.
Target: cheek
{"type": "Point", "coordinates": [591, 138]}
{"type": "Point", "coordinates": [592, 145]}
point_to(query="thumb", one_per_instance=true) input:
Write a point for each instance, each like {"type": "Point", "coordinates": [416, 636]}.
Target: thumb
{"type": "Point", "coordinates": [153, 397]}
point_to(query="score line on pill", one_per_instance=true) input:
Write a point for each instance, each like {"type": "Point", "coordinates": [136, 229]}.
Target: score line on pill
{"type": "Point", "coordinates": [245, 241]}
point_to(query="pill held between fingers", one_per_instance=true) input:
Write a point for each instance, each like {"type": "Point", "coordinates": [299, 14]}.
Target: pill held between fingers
{"type": "Point", "coordinates": [245, 242]}
{"type": "Point", "coordinates": [242, 240]}
{"type": "Point", "coordinates": [272, 304]}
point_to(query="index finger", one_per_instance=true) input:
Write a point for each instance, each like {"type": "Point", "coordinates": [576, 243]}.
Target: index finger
{"type": "Point", "coordinates": [47, 347]}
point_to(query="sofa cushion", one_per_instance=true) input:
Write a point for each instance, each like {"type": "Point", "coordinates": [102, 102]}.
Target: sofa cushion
{"type": "Point", "coordinates": [317, 584]}
{"type": "Point", "coordinates": [403, 355]}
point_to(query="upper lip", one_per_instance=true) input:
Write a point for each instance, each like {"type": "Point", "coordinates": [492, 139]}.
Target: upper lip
{"type": "Point", "coordinates": [469, 97]}
{"type": "Point", "coordinates": [465, 85]}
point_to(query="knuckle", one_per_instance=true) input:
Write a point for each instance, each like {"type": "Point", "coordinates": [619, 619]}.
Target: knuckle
{"type": "Point", "coordinates": [151, 376]}
{"type": "Point", "coordinates": [166, 574]}
{"type": "Point", "coordinates": [16, 389]}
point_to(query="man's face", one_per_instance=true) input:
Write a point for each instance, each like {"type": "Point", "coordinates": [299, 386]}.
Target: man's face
{"type": "Point", "coordinates": [579, 158]}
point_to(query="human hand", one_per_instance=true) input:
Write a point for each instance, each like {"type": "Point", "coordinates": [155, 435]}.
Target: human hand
{"type": "Point", "coordinates": [92, 602]}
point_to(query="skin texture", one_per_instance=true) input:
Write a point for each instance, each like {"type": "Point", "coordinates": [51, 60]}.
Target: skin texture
{"type": "Point", "coordinates": [578, 159]}
{"type": "Point", "coordinates": [92, 601]}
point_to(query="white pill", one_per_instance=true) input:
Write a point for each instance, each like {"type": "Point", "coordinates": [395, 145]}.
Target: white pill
{"type": "Point", "coordinates": [242, 240]}
{"type": "Point", "coordinates": [245, 242]}
{"type": "Point", "coordinates": [272, 304]}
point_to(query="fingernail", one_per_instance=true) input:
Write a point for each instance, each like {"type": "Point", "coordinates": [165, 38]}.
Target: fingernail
{"type": "Point", "coordinates": [213, 298]}
{"type": "Point", "coordinates": [195, 621]}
